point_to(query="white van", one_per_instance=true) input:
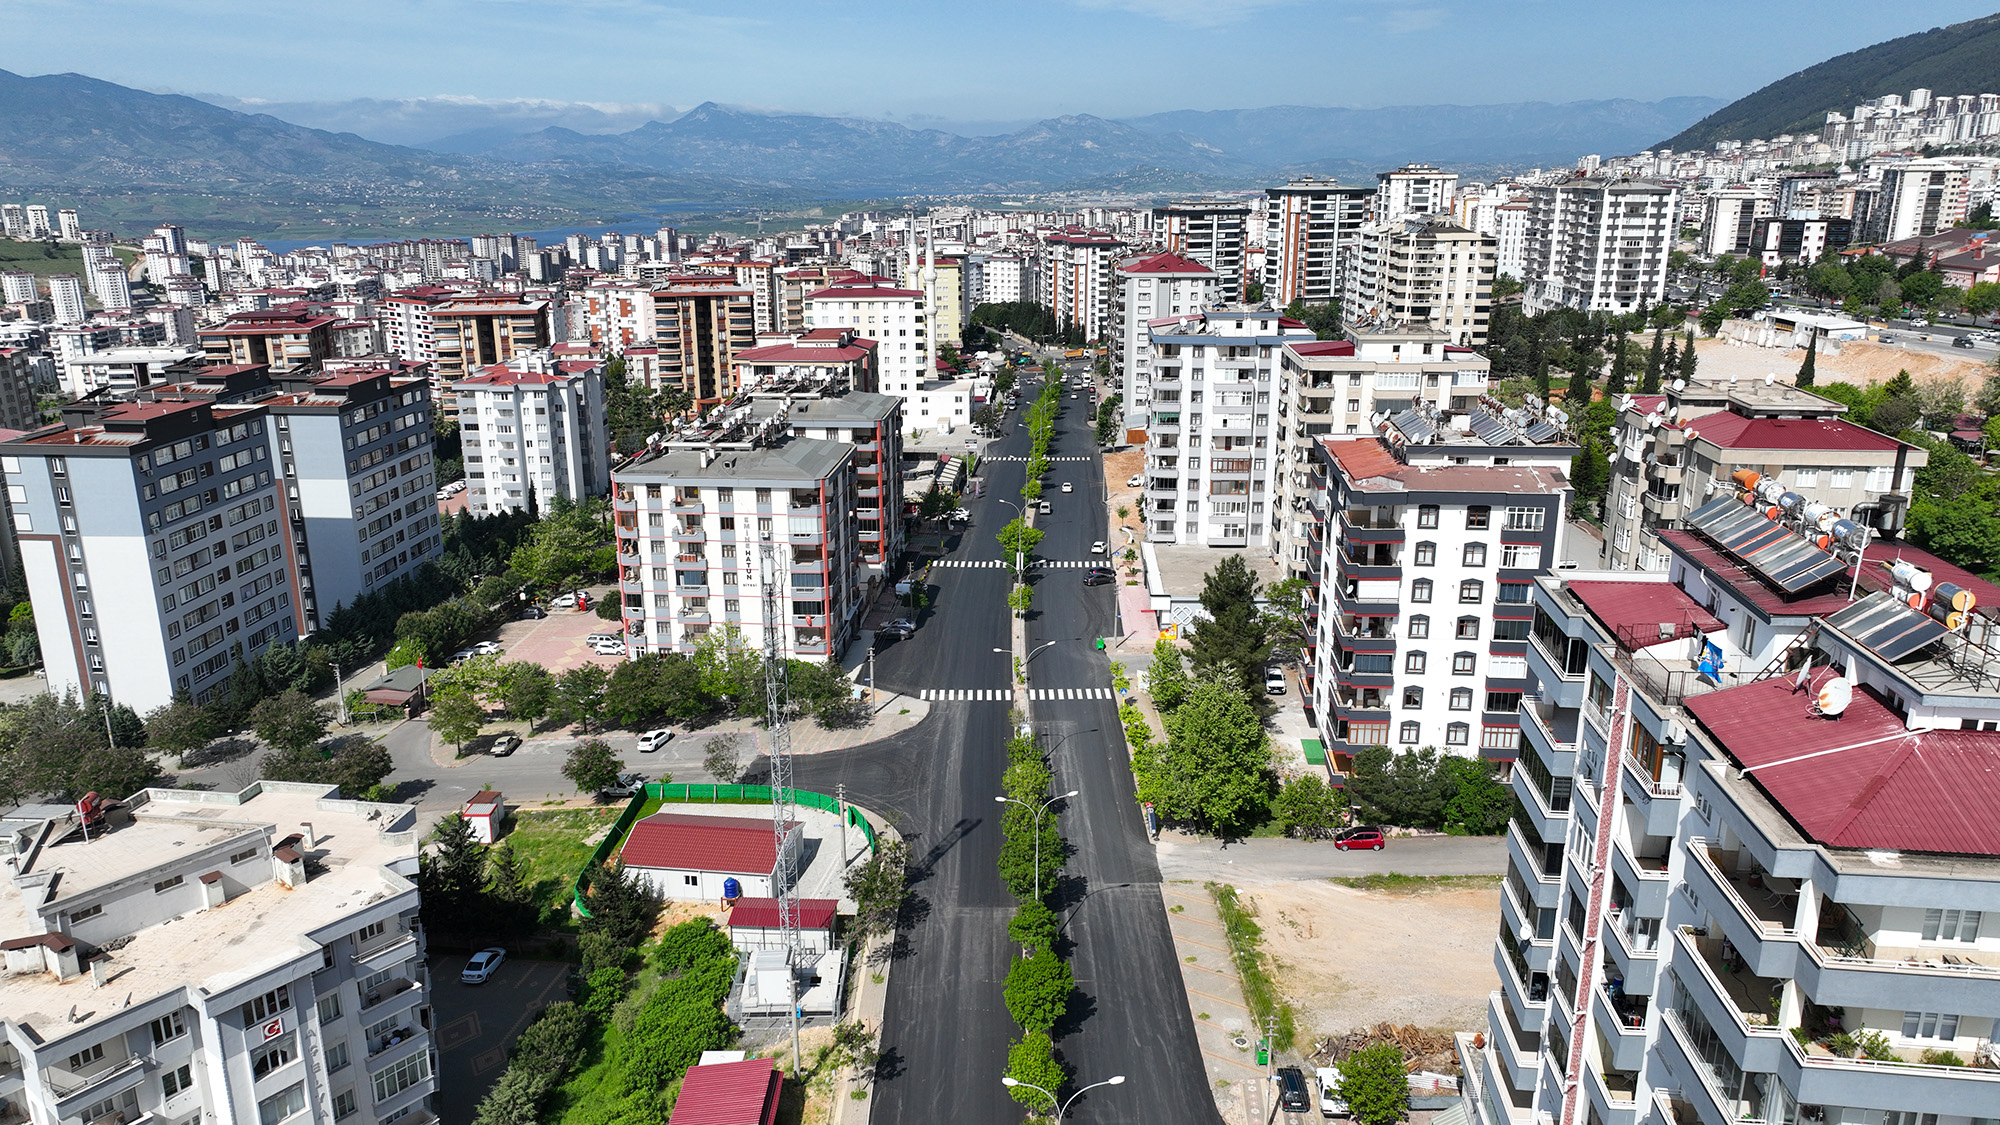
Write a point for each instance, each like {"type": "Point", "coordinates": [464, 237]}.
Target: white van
{"type": "Point", "coordinates": [1330, 1103]}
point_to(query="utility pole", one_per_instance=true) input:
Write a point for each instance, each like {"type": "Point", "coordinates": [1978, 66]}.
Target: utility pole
{"type": "Point", "coordinates": [340, 692]}
{"type": "Point", "coordinates": [777, 704]}
{"type": "Point", "coordinates": [840, 802]}
{"type": "Point", "coordinates": [871, 674]}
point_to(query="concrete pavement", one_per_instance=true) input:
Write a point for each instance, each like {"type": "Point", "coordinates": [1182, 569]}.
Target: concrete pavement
{"type": "Point", "coordinates": [1278, 860]}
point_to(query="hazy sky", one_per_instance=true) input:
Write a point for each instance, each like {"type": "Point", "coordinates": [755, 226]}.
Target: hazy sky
{"type": "Point", "coordinates": [969, 60]}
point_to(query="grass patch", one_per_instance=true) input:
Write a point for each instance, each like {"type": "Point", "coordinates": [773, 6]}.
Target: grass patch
{"type": "Point", "coordinates": [552, 843]}
{"type": "Point", "coordinates": [1395, 883]}
{"type": "Point", "coordinates": [1253, 967]}
{"type": "Point", "coordinates": [43, 259]}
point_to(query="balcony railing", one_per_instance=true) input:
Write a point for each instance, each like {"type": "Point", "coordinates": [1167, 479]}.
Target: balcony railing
{"type": "Point", "coordinates": [388, 990]}
{"type": "Point", "coordinates": [68, 1084]}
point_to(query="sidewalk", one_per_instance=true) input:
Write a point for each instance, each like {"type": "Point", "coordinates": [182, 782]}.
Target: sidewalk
{"type": "Point", "coordinates": [1223, 1026]}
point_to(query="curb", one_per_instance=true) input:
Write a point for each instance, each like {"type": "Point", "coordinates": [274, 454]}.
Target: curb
{"type": "Point", "coordinates": [869, 1002]}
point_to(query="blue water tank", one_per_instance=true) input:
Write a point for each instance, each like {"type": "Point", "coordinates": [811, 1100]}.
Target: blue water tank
{"type": "Point", "coordinates": [731, 889]}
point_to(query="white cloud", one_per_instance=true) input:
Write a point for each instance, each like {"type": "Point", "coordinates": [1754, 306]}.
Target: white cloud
{"type": "Point", "coordinates": [1402, 21]}
{"type": "Point", "coordinates": [1190, 13]}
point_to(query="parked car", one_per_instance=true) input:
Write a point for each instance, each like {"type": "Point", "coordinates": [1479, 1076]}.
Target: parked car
{"type": "Point", "coordinates": [1097, 548]}
{"type": "Point", "coordinates": [1135, 480]}
{"type": "Point", "coordinates": [1961, 341]}
{"type": "Point", "coordinates": [627, 785]}
{"type": "Point", "coordinates": [1293, 1094]}
{"type": "Point", "coordinates": [961, 514]}
{"type": "Point", "coordinates": [1362, 837]}
{"type": "Point", "coordinates": [504, 745]}
{"type": "Point", "coordinates": [463, 654]}
{"type": "Point", "coordinates": [599, 638]}
{"type": "Point", "coordinates": [480, 969]}
{"type": "Point", "coordinates": [533, 613]}
{"type": "Point", "coordinates": [1099, 578]}
{"type": "Point", "coordinates": [654, 739]}
{"type": "Point", "coordinates": [1274, 680]}
{"type": "Point", "coordinates": [562, 601]}
{"type": "Point", "coordinates": [608, 648]}
{"type": "Point", "coordinates": [486, 648]}
{"type": "Point", "coordinates": [899, 629]}
{"type": "Point", "coordinates": [1068, 487]}
{"type": "Point", "coordinates": [1331, 1104]}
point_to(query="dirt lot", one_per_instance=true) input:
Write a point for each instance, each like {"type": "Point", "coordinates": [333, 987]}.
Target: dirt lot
{"type": "Point", "coordinates": [1352, 959]}
{"type": "Point", "coordinates": [1119, 468]}
{"type": "Point", "coordinates": [1859, 363]}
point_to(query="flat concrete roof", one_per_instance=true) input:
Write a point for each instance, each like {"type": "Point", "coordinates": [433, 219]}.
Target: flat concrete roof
{"type": "Point", "coordinates": [1183, 567]}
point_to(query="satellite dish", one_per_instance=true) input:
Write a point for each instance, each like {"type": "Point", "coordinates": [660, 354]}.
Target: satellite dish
{"type": "Point", "coordinates": [1653, 420]}
{"type": "Point", "coordinates": [1680, 384]}
{"type": "Point", "coordinates": [1770, 378]}
{"type": "Point", "coordinates": [1833, 698]}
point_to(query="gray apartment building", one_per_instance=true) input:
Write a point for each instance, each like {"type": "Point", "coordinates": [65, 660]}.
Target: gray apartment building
{"type": "Point", "coordinates": [247, 958]}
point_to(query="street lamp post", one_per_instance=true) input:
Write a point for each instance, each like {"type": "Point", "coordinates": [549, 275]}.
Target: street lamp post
{"type": "Point", "coordinates": [1020, 555]}
{"type": "Point", "coordinates": [1031, 655]}
{"type": "Point", "coordinates": [1011, 1081]}
{"type": "Point", "coordinates": [1038, 810]}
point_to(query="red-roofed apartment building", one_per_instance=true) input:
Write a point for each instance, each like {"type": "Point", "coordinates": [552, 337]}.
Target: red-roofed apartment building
{"type": "Point", "coordinates": [534, 424]}
{"type": "Point", "coordinates": [1152, 286]}
{"type": "Point", "coordinates": [1754, 824]}
{"type": "Point", "coordinates": [1671, 458]}
{"type": "Point", "coordinates": [687, 856]}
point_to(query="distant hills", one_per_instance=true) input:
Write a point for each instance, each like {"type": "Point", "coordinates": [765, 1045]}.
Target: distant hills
{"type": "Point", "coordinates": [1963, 58]}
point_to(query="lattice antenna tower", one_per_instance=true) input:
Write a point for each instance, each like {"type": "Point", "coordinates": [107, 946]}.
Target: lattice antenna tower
{"type": "Point", "coordinates": [777, 712]}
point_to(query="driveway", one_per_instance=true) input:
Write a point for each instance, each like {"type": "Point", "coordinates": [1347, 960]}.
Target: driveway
{"type": "Point", "coordinates": [474, 1024]}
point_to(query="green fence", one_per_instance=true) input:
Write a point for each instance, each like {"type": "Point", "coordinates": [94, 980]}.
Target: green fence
{"type": "Point", "coordinates": [713, 794]}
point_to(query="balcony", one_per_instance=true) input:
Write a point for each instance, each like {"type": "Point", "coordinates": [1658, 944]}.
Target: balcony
{"type": "Point", "coordinates": [1555, 726]}
{"type": "Point", "coordinates": [115, 1078]}
{"type": "Point", "coordinates": [389, 952]}
{"type": "Point", "coordinates": [1365, 527]}
{"type": "Point", "coordinates": [1614, 1094]}
{"type": "Point", "coordinates": [388, 991]}
{"type": "Point", "coordinates": [1645, 876]}
{"type": "Point", "coordinates": [1519, 1050]}
{"type": "Point", "coordinates": [1621, 1018]}
{"type": "Point", "coordinates": [403, 1040]}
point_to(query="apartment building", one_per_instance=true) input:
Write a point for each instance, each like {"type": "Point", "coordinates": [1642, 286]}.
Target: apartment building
{"type": "Point", "coordinates": [404, 319]}
{"type": "Point", "coordinates": [1510, 238]}
{"type": "Point", "coordinates": [475, 331]}
{"type": "Point", "coordinates": [1725, 864]}
{"type": "Point", "coordinates": [1076, 278]}
{"type": "Point", "coordinates": [179, 564]}
{"type": "Point", "coordinates": [282, 339]}
{"type": "Point", "coordinates": [941, 278]}
{"type": "Point", "coordinates": [228, 957]}
{"type": "Point", "coordinates": [66, 294]}
{"type": "Point", "coordinates": [834, 357]}
{"type": "Point", "coordinates": [1210, 452]}
{"type": "Point", "coordinates": [895, 320]}
{"type": "Point", "coordinates": [1729, 221]}
{"type": "Point", "coordinates": [700, 322]}
{"type": "Point", "coordinates": [533, 429]}
{"type": "Point", "coordinates": [1428, 273]}
{"type": "Point", "coordinates": [1341, 387]}
{"type": "Point", "coordinates": [1919, 198]}
{"type": "Point", "coordinates": [1426, 543]}
{"type": "Point", "coordinates": [708, 523]}
{"type": "Point", "coordinates": [19, 408]}
{"type": "Point", "coordinates": [1599, 243]}
{"type": "Point", "coordinates": [1673, 452]}
{"type": "Point", "coordinates": [1306, 222]}
{"type": "Point", "coordinates": [122, 369]}
{"type": "Point", "coordinates": [1150, 288]}
{"type": "Point", "coordinates": [1413, 191]}
{"type": "Point", "coordinates": [999, 279]}
{"type": "Point", "coordinates": [1211, 232]}
{"type": "Point", "coordinates": [1777, 241]}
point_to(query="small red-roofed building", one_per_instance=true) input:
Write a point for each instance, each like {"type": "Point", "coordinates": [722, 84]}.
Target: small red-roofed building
{"type": "Point", "coordinates": [689, 855]}
{"type": "Point", "coordinates": [729, 1093]}
{"type": "Point", "coordinates": [753, 924]}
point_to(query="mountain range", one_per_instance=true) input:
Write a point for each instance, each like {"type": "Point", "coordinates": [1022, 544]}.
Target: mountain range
{"type": "Point", "coordinates": [1963, 58]}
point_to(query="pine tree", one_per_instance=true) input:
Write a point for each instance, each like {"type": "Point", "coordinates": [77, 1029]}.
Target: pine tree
{"type": "Point", "coordinates": [1579, 380]}
{"type": "Point", "coordinates": [1617, 383]}
{"type": "Point", "coordinates": [1656, 363]}
{"type": "Point", "coordinates": [1687, 358]}
{"type": "Point", "coordinates": [452, 877]}
{"type": "Point", "coordinates": [1538, 360]}
{"type": "Point", "coordinates": [1231, 645]}
{"type": "Point", "coordinates": [1806, 369]}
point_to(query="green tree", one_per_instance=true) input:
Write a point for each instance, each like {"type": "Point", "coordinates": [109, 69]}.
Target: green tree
{"type": "Point", "coordinates": [723, 757]}
{"type": "Point", "coordinates": [1018, 541]}
{"type": "Point", "coordinates": [409, 650]}
{"type": "Point", "coordinates": [1020, 598]}
{"type": "Point", "coordinates": [1232, 644]}
{"type": "Point", "coordinates": [591, 766]}
{"type": "Point", "coordinates": [1288, 617]}
{"type": "Point", "coordinates": [1620, 379]}
{"type": "Point", "coordinates": [1308, 807]}
{"type": "Point", "coordinates": [571, 542]}
{"type": "Point", "coordinates": [1479, 803]}
{"type": "Point", "coordinates": [1033, 925]}
{"type": "Point", "coordinates": [1018, 845]}
{"type": "Point", "coordinates": [1538, 361]}
{"type": "Point", "coordinates": [510, 889]}
{"type": "Point", "coordinates": [1982, 298]}
{"type": "Point", "coordinates": [291, 721]}
{"type": "Point", "coordinates": [1215, 771]}
{"type": "Point", "coordinates": [179, 728]}
{"type": "Point", "coordinates": [451, 877]}
{"type": "Point", "coordinates": [622, 906]}
{"type": "Point", "coordinates": [456, 715]}
{"type": "Point", "coordinates": [1688, 359]}
{"type": "Point", "coordinates": [516, 1099]}
{"type": "Point", "coordinates": [878, 888]}
{"type": "Point", "coordinates": [1374, 1082]}
{"type": "Point", "coordinates": [1037, 990]}
{"type": "Point", "coordinates": [1166, 677]}
{"type": "Point", "coordinates": [1961, 529]}
{"type": "Point", "coordinates": [1590, 476]}
{"type": "Point", "coordinates": [580, 694]}
{"type": "Point", "coordinates": [529, 691]}
{"type": "Point", "coordinates": [1411, 789]}
{"type": "Point", "coordinates": [358, 766]}
{"type": "Point", "coordinates": [1323, 319]}
{"type": "Point", "coordinates": [1656, 364]}
{"type": "Point", "coordinates": [56, 747]}
{"type": "Point", "coordinates": [1806, 374]}
{"type": "Point", "coordinates": [1031, 1062]}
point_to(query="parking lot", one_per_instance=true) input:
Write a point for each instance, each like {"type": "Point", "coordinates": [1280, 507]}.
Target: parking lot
{"type": "Point", "coordinates": [474, 1024]}
{"type": "Point", "coordinates": [556, 642]}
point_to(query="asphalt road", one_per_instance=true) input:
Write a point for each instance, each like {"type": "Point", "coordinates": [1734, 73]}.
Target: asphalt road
{"type": "Point", "coordinates": [947, 1029]}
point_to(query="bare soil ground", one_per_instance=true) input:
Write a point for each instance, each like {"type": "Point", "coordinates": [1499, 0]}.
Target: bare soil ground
{"type": "Point", "coordinates": [1118, 468]}
{"type": "Point", "coordinates": [1351, 959]}
{"type": "Point", "coordinates": [1859, 362]}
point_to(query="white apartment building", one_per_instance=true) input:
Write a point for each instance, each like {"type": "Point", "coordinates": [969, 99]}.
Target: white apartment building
{"type": "Point", "coordinates": [1000, 279]}
{"type": "Point", "coordinates": [534, 425]}
{"type": "Point", "coordinates": [1211, 456]}
{"type": "Point", "coordinates": [1307, 222]}
{"type": "Point", "coordinates": [237, 958]}
{"type": "Point", "coordinates": [1919, 198]}
{"type": "Point", "coordinates": [1510, 239]}
{"type": "Point", "coordinates": [1425, 273]}
{"type": "Point", "coordinates": [1599, 243]}
{"type": "Point", "coordinates": [1730, 218]}
{"type": "Point", "coordinates": [1150, 288]}
{"type": "Point", "coordinates": [1414, 190]}
{"type": "Point", "coordinates": [66, 294]}
{"type": "Point", "coordinates": [894, 318]}
{"type": "Point", "coordinates": [38, 221]}
{"type": "Point", "coordinates": [1077, 278]}
{"type": "Point", "coordinates": [1429, 538]}
{"type": "Point", "coordinates": [1211, 232]}
{"type": "Point", "coordinates": [17, 286]}
{"type": "Point", "coordinates": [69, 225]}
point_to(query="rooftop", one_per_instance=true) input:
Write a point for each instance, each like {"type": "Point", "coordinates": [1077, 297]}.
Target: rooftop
{"type": "Point", "coordinates": [715, 843]}
{"type": "Point", "coordinates": [1861, 780]}
{"type": "Point", "coordinates": [1636, 612]}
{"type": "Point", "coordinates": [1164, 263]}
{"type": "Point", "coordinates": [218, 948]}
{"type": "Point", "coordinates": [814, 913]}
{"type": "Point", "coordinates": [1730, 430]}
{"type": "Point", "coordinates": [1368, 463]}
{"type": "Point", "coordinates": [794, 460]}
{"type": "Point", "coordinates": [731, 1093]}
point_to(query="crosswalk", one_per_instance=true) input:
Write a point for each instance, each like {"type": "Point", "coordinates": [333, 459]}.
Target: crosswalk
{"type": "Point", "coordinates": [1017, 457]}
{"type": "Point", "coordinates": [1047, 563]}
{"type": "Point", "coordinates": [993, 695]}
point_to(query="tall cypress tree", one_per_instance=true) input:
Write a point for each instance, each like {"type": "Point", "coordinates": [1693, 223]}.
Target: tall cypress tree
{"type": "Point", "coordinates": [1806, 368]}
{"type": "Point", "coordinates": [1656, 363]}
{"type": "Point", "coordinates": [1618, 382]}
{"type": "Point", "coordinates": [1579, 379]}
{"type": "Point", "coordinates": [1687, 358]}
{"type": "Point", "coordinates": [1538, 360]}
{"type": "Point", "coordinates": [1672, 362]}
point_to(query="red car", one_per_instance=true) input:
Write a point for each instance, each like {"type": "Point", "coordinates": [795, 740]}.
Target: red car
{"type": "Point", "coordinates": [1361, 838]}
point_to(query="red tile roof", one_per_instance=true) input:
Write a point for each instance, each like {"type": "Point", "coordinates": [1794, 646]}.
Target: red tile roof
{"type": "Point", "coordinates": [1164, 263]}
{"type": "Point", "coordinates": [1322, 347]}
{"type": "Point", "coordinates": [1734, 431]}
{"type": "Point", "coordinates": [705, 843]}
{"type": "Point", "coordinates": [793, 353]}
{"type": "Point", "coordinates": [1862, 780]}
{"type": "Point", "coordinates": [1633, 611]}
{"type": "Point", "coordinates": [1361, 458]}
{"type": "Point", "coordinates": [762, 913]}
{"type": "Point", "coordinates": [864, 292]}
{"type": "Point", "coordinates": [733, 1093]}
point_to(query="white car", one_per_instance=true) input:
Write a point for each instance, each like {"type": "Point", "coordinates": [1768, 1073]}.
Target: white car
{"type": "Point", "coordinates": [1135, 480]}
{"type": "Point", "coordinates": [654, 739]}
{"type": "Point", "coordinates": [608, 648]}
{"type": "Point", "coordinates": [1097, 548]}
{"type": "Point", "coordinates": [562, 601]}
{"type": "Point", "coordinates": [480, 969]}
{"type": "Point", "coordinates": [599, 638]}
{"type": "Point", "coordinates": [1331, 1104]}
{"type": "Point", "coordinates": [486, 648]}
{"type": "Point", "coordinates": [1067, 487]}
{"type": "Point", "coordinates": [462, 654]}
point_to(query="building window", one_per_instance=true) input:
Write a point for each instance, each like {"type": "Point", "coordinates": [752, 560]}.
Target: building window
{"type": "Point", "coordinates": [343, 1104]}
{"type": "Point", "coordinates": [271, 1003]}
{"type": "Point", "coordinates": [1510, 629]}
{"type": "Point", "coordinates": [1420, 590]}
{"type": "Point", "coordinates": [1951, 925]}
{"type": "Point", "coordinates": [1413, 663]}
{"type": "Point", "coordinates": [1930, 1025]}
{"type": "Point", "coordinates": [691, 880]}
{"type": "Point", "coordinates": [1525, 519]}
{"type": "Point", "coordinates": [1471, 591]}
{"type": "Point", "coordinates": [1409, 733]}
{"type": "Point", "coordinates": [176, 1080]}
{"type": "Point", "coordinates": [1475, 554]}
{"type": "Point", "coordinates": [1461, 699]}
{"type": "Point", "coordinates": [1462, 663]}
{"type": "Point", "coordinates": [1842, 478]}
{"type": "Point", "coordinates": [271, 1056]}
{"type": "Point", "coordinates": [91, 1054]}
{"type": "Point", "coordinates": [165, 885]}
{"type": "Point", "coordinates": [1504, 702]}
{"type": "Point", "coordinates": [1420, 627]}
{"type": "Point", "coordinates": [370, 932]}
{"type": "Point", "coordinates": [1521, 556]}
{"type": "Point", "coordinates": [1413, 698]}
{"type": "Point", "coordinates": [1805, 477]}
{"type": "Point", "coordinates": [290, 1100]}
{"type": "Point", "coordinates": [1458, 734]}
{"type": "Point", "coordinates": [400, 1077]}
{"type": "Point", "coordinates": [1514, 593]}
{"type": "Point", "coordinates": [1427, 554]}
{"type": "Point", "coordinates": [168, 1027]}
{"type": "Point", "coordinates": [329, 1007]}
{"type": "Point", "coordinates": [1468, 629]}
{"type": "Point", "coordinates": [1427, 515]}
{"type": "Point", "coordinates": [1478, 517]}
{"type": "Point", "coordinates": [336, 1057]}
